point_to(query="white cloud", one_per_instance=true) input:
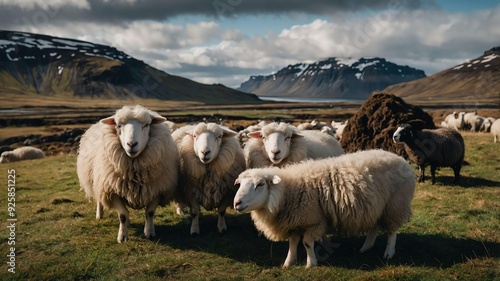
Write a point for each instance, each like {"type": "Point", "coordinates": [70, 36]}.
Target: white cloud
{"type": "Point", "coordinates": [429, 40]}
{"type": "Point", "coordinates": [28, 5]}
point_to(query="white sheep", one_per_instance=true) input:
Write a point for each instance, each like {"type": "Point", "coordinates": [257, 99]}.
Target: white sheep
{"type": "Point", "coordinates": [454, 120]}
{"type": "Point", "coordinates": [354, 193]}
{"type": "Point", "coordinates": [129, 159]}
{"type": "Point", "coordinates": [279, 144]}
{"type": "Point", "coordinates": [486, 126]}
{"type": "Point", "coordinates": [476, 123]}
{"type": "Point", "coordinates": [211, 159]}
{"type": "Point", "coordinates": [495, 129]}
{"type": "Point", "coordinates": [339, 128]}
{"type": "Point", "coordinates": [468, 119]}
{"type": "Point", "coordinates": [21, 153]}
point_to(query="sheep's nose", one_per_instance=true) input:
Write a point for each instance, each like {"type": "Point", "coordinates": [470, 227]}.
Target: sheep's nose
{"type": "Point", "coordinates": [276, 151]}
{"type": "Point", "coordinates": [131, 145]}
{"type": "Point", "coordinates": [205, 152]}
{"type": "Point", "coordinates": [237, 203]}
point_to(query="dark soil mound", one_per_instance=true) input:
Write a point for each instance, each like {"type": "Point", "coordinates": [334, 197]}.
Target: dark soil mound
{"type": "Point", "coordinates": [376, 121]}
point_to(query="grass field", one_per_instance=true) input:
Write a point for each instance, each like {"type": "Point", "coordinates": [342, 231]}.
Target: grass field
{"type": "Point", "coordinates": [454, 234]}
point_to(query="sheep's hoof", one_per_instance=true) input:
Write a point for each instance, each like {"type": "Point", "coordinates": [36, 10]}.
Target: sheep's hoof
{"type": "Point", "coordinates": [150, 237]}
{"type": "Point", "coordinates": [222, 232]}
{"type": "Point", "coordinates": [195, 234]}
{"type": "Point", "coordinates": [122, 239]}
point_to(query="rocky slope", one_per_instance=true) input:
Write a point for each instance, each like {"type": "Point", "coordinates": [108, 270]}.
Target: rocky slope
{"type": "Point", "coordinates": [51, 66]}
{"type": "Point", "coordinates": [332, 78]}
{"type": "Point", "coordinates": [474, 82]}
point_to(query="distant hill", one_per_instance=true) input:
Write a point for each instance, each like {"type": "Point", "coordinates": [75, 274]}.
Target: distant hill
{"type": "Point", "coordinates": [51, 66]}
{"type": "Point", "coordinates": [332, 78]}
{"type": "Point", "coordinates": [474, 82]}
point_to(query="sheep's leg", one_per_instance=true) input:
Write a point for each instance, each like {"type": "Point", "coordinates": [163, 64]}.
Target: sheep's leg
{"type": "Point", "coordinates": [221, 223]}
{"type": "Point", "coordinates": [422, 173]}
{"type": "Point", "coordinates": [308, 242]}
{"type": "Point", "coordinates": [433, 173]}
{"type": "Point", "coordinates": [123, 216]}
{"type": "Point", "coordinates": [291, 258]}
{"type": "Point", "coordinates": [391, 245]}
{"type": "Point", "coordinates": [99, 210]}
{"type": "Point", "coordinates": [371, 236]}
{"type": "Point", "coordinates": [179, 208]}
{"type": "Point", "coordinates": [195, 217]}
{"type": "Point", "coordinates": [149, 227]}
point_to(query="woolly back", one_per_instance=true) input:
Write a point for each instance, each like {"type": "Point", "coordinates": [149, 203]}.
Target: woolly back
{"type": "Point", "coordinates": [354, 190]}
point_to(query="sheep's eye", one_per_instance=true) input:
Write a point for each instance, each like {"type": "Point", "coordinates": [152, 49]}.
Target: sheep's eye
{"type": "Point", "coordinates": [260, 184]}
{"type": "Point", "coordinates": [288, 138]}
{"type": "Point", "coordinates": [219, 137]}
{"type": "Point", "coordinates": [146, 125]}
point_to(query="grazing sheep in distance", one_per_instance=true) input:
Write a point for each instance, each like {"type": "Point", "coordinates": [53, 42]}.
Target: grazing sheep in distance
{"type": "Point", "coordinates": [454, 120]}
{"type": "Point", "coordinates": [443, 147]}
{"type": "Point", "coordinates": [211, 159]}
{"type": "Point", "coordinates": [495, 129]}
{"type": "Point", "coordinates": [476, 123]}
{"type": "Point", "coordinates": [129, 159]}
{"type": "Point", "coordinates": [486, 126]}
{"type": "Point", "coordinates": [468, 119]}
{"type": "Point", "coordinates": [279, 144]}
{"type": "Point", "coordinates": [339, 129]}
{"type": "Point", "coordinates": [354, 193]}
{"type": "Point", "coordinates": [21, 153]}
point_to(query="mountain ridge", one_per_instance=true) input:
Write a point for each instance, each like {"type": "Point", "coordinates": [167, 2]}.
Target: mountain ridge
{"type": "Point", "coordinates": [332, 78]}
{"type": "Point", "coordinates": [476, 81]}
{"type": "Point", "coordinates": [53, 66]}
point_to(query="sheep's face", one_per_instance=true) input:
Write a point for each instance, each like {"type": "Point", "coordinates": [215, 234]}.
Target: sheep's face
{"type": "Point", "coordinates": [132, 127]}
{"type": "Point", "coordinates": [207, 140]}
{"type": "Point", "coordinates": [403, 134]}
{"type": "Point", "coordinates": [4, 158]}
{"type": "Point", "coordinates": [276, 142]}
{"type": "Point", "coordinates": [253, 193]}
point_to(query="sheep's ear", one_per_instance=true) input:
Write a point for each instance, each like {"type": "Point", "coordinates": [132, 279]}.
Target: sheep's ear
{"type": "Point", "coordinates": [158, 120]}
{"type": "Point", "coordinates": [297, 135]}
{"type": "Point", "coordinates": [226, 133]}
{"type": "Point", "coordinates": [237, 181]}
{"type": "Point", "coordinates": [108, 121]}
{"type": "Point", "coordinates": [276, 179]}
{"type": "Point", "coordinates": [256, 134]}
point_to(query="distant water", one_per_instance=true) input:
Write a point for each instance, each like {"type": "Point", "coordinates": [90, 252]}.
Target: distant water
{"type": "Point", "coordinates": [310, 100]}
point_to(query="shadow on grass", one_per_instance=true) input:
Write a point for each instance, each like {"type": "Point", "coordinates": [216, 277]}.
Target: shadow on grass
{"type": "Point", "coordinates": [242, 244]}
{"type": "Point", "coordinates": [464, 181]}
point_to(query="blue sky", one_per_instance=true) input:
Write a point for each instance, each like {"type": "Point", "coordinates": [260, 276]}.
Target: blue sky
{"type": "Point", "coordinates": [226, 41]}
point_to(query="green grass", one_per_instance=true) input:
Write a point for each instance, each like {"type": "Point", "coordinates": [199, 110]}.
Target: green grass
{"type": "Point", "coordinates": [454, 234]}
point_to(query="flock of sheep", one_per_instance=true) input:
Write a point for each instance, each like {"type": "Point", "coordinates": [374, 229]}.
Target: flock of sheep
{"type": "Point", "coordinates": [132, 159]}
{"type": "Point", "coordinates": [472, 122]}
{"type": "Point", "coordinates": [295, 182]}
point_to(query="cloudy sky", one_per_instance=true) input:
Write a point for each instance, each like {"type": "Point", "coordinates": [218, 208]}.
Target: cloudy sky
{"type": "Point", "coordinates": [226, 41]}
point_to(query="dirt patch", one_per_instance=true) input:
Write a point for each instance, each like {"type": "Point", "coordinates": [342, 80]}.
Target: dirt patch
{"type": "Point", "coordinates": [373, 125]}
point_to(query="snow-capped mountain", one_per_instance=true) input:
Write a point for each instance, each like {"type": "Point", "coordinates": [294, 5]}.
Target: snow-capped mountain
{"type": "Point", "coordinates": [332, 78]}
{"type": "Point", "coordinates": [473, 82]}
{"type": "Point", "coordinates": [39, 64]}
